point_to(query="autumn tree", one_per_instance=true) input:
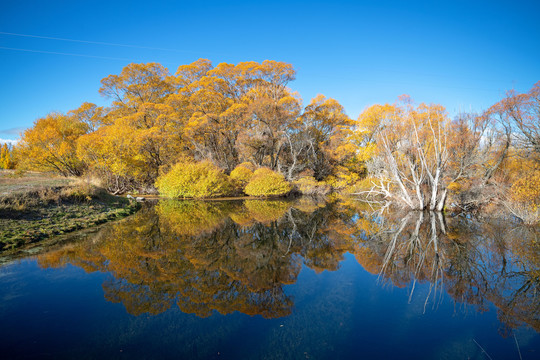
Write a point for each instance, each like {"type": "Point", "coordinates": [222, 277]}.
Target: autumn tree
{"type": "Point", "coordinates": [236, 112]}
{"type": "Point", "coordinates": [246, 112]}
{"type": "Point", "coordinates": [517, 116]}
{"type": "Point", "coordinates": [477, 148]}
{"type": "Point", "coordinates": [90, 114]}
{"type": "Point", "coordinates": [50, 145]}
{"type": "Point", "coordinates": [273, 112]}
{"type": "Point", "coordinates": [522, 112]}
{"type": "Point", "coordinates": [327, 128]}
{"type": "Point", "coordinates": [111, 154]}
{"type": "Point", "coordinates": [139, 123]}
{"type": "Point", "coordinates": [6, 158]}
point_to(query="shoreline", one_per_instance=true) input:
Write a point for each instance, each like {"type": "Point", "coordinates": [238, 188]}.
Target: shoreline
{"type": "Point", "coordinates": [43, 212]}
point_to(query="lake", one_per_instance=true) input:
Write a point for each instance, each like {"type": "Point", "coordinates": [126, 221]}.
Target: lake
{"type": "Point", "coordinates": [272, 279]}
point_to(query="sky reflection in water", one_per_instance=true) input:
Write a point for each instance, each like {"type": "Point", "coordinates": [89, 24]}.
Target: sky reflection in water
{"type": "Point", "coordinates": [278, 279]}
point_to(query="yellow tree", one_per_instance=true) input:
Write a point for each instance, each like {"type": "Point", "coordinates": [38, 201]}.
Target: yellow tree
{"type": "Point", "coordinates": [140, 113]}
{"type": "Point", "coordinates": [215, 113]}
{"type": "Point", "coordinates": [90, 114]}
{"type": "Point", "coordinates": [327, 127]}
{"type": "Point", "coordinates": [50, 145]}
{"type": "Point", "coordinates": [235, 112]}
{"type": "Point", "coordinates": [273, 114]}
{"type": "Point", "coordinates": [519, 162]}
{"type": "Point", "coordinates": [265, 138]}
{"type": "Point", "coordinates": [367, 128]}
{"type": "Point", "coordinates": [111, 152]}
{"type": "Point", "coordinates": [6, 158]}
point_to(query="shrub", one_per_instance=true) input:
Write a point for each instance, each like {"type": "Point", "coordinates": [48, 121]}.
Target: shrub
{"type": "Point", "coordinates": [344, 180]}
{"type": "Point", "coordinates": [247, 165]}
{"type": "Point", "coordinates": [527, 189]}
{"type": "Point", "coordinates": [194, 180]}
{"type": "Point", "coordinates": [266, 182]}
{"type": "Point", "coordinates": [307, 185]}
{"type": "Point", "coordinates": [81, 192]}
{"type": "Point", "coordinates": [240, 177]}
{"type": "Point", "coordinates": [524, 199]}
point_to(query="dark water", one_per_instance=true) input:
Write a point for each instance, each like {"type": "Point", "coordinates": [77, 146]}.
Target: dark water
{"type": "Point", "coordinates": [278, 280]}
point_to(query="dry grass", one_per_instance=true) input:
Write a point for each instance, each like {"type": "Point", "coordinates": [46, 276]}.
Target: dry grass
{"type": "Point", "coordinates": [16, 182]}
{"type": "Point", "coordinates": [36, 206]}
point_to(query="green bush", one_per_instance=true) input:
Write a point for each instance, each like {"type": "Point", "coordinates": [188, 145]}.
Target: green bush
{"type": "Point", "coordinates": [266, 182]}
{"type": "Point", "coordinates": [194, 180]}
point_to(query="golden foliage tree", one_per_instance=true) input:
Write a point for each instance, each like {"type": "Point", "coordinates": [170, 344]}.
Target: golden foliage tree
{"type": "Point", "coordinates": [518, 162]}
{"type": "Point", "coordinates": [139, 120]}
{"type": "Point", "coordinates": [50, 145]}
{"type": "Point", "coordinates": [6, 158]}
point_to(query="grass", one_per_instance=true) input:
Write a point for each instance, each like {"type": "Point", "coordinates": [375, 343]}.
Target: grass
{"type": "Point", "coordinates": [18, 182]}
{"type": "Point", "coordinates": [34, 207]}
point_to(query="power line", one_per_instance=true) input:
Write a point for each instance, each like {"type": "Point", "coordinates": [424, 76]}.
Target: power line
{"type": "Point", "coordinates": [68, 54]}
{"type": "Point", "coordinates": [95, 42]}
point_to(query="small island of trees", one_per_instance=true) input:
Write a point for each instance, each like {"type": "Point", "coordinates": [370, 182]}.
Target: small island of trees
{"type": "Point", "coordinates": [239, 129]}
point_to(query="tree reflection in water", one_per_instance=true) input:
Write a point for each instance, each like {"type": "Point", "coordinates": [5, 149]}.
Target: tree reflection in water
{"type": "Point", "coordinates": [475, 262]}
{"type": "Point", "coordinates": [231, 256]}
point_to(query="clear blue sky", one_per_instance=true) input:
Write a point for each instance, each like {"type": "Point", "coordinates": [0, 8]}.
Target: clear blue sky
{"type": "Point", "coordinates": [461, 54]}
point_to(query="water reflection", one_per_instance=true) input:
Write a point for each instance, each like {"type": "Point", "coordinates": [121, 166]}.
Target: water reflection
{"type": "Point", "coordinates": [238, 255]}
{"type": "Point", "coordinates": [475, 262]}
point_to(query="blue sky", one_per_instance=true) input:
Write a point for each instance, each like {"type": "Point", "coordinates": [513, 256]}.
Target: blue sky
{"type": "Point", "coordinates": [461, 54]}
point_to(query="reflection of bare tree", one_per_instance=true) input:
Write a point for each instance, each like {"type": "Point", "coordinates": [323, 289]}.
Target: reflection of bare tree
{"type": "Point", "coordinates": [475, 262]}
{"type": "Point", "coordinates": [413, 252]}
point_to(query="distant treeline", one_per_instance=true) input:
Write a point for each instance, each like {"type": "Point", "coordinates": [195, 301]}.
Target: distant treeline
{"type": "Point", "coordinates": [204, 121]}
{"type": "Point", "coordinates": [6, 158]}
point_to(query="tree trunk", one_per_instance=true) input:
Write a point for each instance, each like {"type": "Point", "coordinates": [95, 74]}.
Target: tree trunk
{"type": "Point", "coordinates": [442, 201]}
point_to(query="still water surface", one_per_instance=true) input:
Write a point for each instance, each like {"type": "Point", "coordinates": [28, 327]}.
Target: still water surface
{"type": "Point", "coordinates": [278, 280]}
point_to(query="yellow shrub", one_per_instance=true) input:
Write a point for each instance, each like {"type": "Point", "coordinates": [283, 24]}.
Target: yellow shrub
{"type": "Point", "coordinates": [307, 185]}
{"type": "Point", "coordinates": [266, 182]}
{"type": "Point", "coordinates": [241, 176]}
{"type": "Point", "coordinates": [454, 187]}
{"type": "Point", "coordinates": [344, 180]}
{"type": "Point", "coordinates": [247, 165]}
{"type": "Point", "coordinates": [194, 180]}
{"type": "Point", "coordinates": [527, 188]}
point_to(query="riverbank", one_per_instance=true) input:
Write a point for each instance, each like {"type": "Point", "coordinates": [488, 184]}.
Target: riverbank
{"type": "Point", "coordinates": [34, 207]}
